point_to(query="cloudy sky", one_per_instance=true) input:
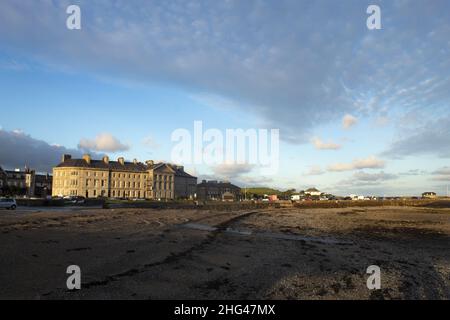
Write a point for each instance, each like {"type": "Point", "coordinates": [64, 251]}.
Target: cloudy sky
{"type": "Point", "coordinates": [359, 111]}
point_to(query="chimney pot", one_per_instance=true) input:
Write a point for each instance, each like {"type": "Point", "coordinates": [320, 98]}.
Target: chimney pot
{"type": "Point", "coordinates": [87, 158]}
{"type": "Point", "coordinates": [106, 159]}
{"type": "Point", "coordinates": [121, 160]}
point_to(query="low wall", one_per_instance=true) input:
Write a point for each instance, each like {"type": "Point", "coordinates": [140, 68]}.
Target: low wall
{"type": "Point", "coordinates": [40, 203]}
{"type": "Point", "coordinates": [232, 206]}
{"type": "Point", "coordinates": [370, 203]}
{"type": "Point", "coordinates": [217, 206]}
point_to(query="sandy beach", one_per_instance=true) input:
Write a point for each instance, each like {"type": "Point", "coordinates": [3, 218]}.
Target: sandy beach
{"type": "Point", "coordinates": [287, 253]}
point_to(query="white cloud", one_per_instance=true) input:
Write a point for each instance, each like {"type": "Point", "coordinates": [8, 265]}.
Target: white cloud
{"type": "Point", "coordinates": [320, 145]}
{"type": "Point", "coordinates": [368, 163]}
{"type": "Point", "coordinates": [315, 171]}
{"type": "Point", "coordinates": [369, 177]}
{"type": "Point", "coordinates": [382, 121]}
{"type": "Point", "coordinates": [430, 138]}
{"type": "Point", "coordinates": [349, 121]}
{"type": "Point", "coordinates": [441, 178]}
{"type": "Point", "coordinates": [151, 143]}
{"type": "Point", "coordinates": [230, 171]}
{"type": "Point", "coordinates": [442, 171]}
{"type": "Point", "coordinates": [104, 142]}
{"type": "Point", "coordinates": [442, 174]}
{"type": "Point", "coordinates": [413, 172]}
{"type": "Point", "coordinates": [296, 71]}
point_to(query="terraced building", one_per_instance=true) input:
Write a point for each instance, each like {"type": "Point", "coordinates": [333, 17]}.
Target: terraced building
{"type": "Point", "coordinates": [121, 179]}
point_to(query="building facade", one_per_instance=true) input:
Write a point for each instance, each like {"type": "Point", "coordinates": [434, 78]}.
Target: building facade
{"type": "Point", "coordinates": [429, 195]}
{"type": "Point", "coordinates": [121, 179]}
{"type": "Point", "coordinates": [38, 185]}
{"type": "Point", "coordinates": [313, 192]}
{"type": "Point", "coordinates": [2, 181]}
{"type": "Point", "coordinates": [218, 191]}
{"type": "Point", "coordinates": [25, 183]}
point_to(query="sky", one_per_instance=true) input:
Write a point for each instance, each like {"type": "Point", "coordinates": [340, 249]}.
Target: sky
{"type": "Point", "coordinates": [358, 111]}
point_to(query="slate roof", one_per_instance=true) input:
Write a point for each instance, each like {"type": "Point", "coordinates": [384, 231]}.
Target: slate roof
{"type": "Point", "coordinates": [117, 166]}
{"type": "Point", "coordinates": [177, 170]}
{"type": "Point", "coordinates": [99, 164]}
{"type": "Point", "coordinates": [210, 184]}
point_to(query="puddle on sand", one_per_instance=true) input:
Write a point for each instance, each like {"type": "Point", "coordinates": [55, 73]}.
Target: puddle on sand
{"type": "Point", "coordinates": [263, 234]}
{"type": "Point", "coordinates": [198, 226]}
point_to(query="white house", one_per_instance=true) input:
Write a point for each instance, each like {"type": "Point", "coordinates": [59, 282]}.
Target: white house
{"type": "Point", "coordinates": [313, 192]}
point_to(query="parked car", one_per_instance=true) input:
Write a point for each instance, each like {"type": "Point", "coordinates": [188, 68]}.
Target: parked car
{"type": "Point", "coordinates": [8, 203]}
{"type": "Point", "coordinates": [75, 199]}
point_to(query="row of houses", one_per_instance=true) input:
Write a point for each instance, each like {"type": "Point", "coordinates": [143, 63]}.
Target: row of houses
{"type": "Point", "coordinates": [91, 178]}
{"type": "Point", "coordinates": [25, 183]}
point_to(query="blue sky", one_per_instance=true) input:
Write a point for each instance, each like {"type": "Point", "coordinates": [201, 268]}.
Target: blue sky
{"type": "Point", "coordinates": [139, 70]}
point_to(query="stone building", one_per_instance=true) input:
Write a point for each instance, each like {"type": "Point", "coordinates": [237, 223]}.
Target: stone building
{"type": "Point", "coordinates": [121, 179]}
{"type": "Point", "coordinates": [218, 191]}
{"type": "Point", "coordinates": [38, 185]}
{"type": "Point", "coordinates": [429, 195]}
{"type": "Point", "coordinates": [2, 181]}
{"type": "Point", "coordinates": [25, 183]}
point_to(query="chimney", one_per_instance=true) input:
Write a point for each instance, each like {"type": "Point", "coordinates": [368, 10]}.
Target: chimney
{"type": "Point", "coordinates": [66, 157]}
{"type": "Point", "coordinates": [135, 161]}
{"type": "Point", "coordinates": [87, 158]}
{"type": "Point", "coordinates": [121, 160]}
{"type": "Point", "coordinates": [106, 159]}
{"type": "Point", "coordinates": [149, 163]}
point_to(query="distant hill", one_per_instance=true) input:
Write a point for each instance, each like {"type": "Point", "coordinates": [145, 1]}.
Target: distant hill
{"type": "Point", "coordinates": [261, 191]}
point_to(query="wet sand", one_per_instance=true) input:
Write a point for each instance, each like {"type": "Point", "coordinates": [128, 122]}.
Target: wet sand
{"type": "Point", "coordinates": [288, 253]}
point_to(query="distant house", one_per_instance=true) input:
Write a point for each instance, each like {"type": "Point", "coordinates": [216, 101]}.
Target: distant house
{"type": "Point", "coordinates": [295, 197]}
{"type": "Point", "coordinates": [228, 196]}
{"type": "Point", "coordinates": [429, 195]}
{"type": "Point", "coordinates": [355, 197]}
{"type": "Point", "coordinates": [38, 185]}
{"type": "Point", "coordinates": [2, 180]}
{"type": "Point", "coordinates": [313, 192]}
{"type": "Point", "coordinates": [24, 183]}
{"type": "Point", "coordinates": [218, 191]}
